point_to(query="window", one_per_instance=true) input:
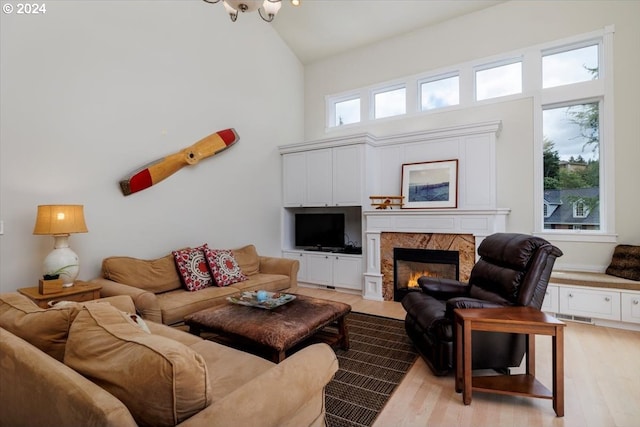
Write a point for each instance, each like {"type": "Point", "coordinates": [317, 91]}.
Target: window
{"type": "Point", "coordinates": [580, 209]}
{"type": "Point", "coordinates": [569, 66]}
{"type": "Point", "coordinates": [347, 112]}
{"type": "Point", "coordinates": [498, 81]}
{"type": "Point", "coordinates": [571, 162]}
{"type": "Point", "coordinates": [439, 93]}
{"type": "Point", "coordinates": [390, 103]}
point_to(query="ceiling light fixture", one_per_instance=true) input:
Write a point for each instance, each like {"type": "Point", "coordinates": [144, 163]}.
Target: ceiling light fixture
{"type": "Point", "coordinates": [267, 9]}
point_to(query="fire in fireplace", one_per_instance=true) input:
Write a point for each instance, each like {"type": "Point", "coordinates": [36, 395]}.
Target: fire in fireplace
{"type": "Point", "coordinates": [409, 264]}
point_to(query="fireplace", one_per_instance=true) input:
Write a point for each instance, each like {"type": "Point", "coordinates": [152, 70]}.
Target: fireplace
{"type": "Point", "coordinates": [409, 264]}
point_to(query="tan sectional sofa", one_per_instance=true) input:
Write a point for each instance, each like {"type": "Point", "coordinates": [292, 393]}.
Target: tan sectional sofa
{"type": "Point", "coordinates": [89, 364]}
{"type": "Point", "coordinates": [158, 294]}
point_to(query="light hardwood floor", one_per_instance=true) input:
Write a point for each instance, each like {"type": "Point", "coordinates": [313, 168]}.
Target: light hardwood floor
{"type": "Point", "coordinates": [602, 382]}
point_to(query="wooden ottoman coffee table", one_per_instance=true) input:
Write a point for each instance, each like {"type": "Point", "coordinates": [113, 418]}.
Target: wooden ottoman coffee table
{"type": "Point", "coordinates": [277, 330]}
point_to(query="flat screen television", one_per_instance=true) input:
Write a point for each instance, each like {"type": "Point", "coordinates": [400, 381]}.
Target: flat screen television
{"type": "Point", "coordinates": [319, 230]}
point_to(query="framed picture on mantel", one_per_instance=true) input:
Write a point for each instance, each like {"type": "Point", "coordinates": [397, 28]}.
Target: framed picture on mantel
{"type": "Point", "coordinates": [430, 185]}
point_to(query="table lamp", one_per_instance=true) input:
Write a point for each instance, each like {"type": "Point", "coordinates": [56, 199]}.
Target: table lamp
{"type": "Point", "coordinates": [60, 221]}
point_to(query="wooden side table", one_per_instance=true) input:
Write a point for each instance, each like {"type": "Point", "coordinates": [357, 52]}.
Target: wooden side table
{"type": "Point", "coordinates": [520, 320]}
{"type": "Point", "coordinates": [80, 291]}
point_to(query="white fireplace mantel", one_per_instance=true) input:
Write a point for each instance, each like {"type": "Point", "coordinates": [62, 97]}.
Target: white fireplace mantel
{"type": "Point", "coordinates": [479, 223]}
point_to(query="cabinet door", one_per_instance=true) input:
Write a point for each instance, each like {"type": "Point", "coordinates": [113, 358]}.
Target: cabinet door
{"type": "Point", "coordinates": [319, 269]}
{"type": "Point", "coordinates": [302, 271]}
{"type": "Point", "coordinates": [630, 307]}
{"type": "Point", "coordinates": [550, 303]}
{"type": "Point", "coordinates": [319, 177]}
{"type": "Point", "coordinates": [348, 167]}
{"type": "Point", "coordinates": [294, 175]}
{"type": "Point", "coordinates": [598, 303]}
{"type": "Point", "coordinates": [347, 272]}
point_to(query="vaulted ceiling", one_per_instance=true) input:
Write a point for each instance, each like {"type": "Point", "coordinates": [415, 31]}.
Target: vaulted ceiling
{"type": "Point", "coordinates": [321, 28]}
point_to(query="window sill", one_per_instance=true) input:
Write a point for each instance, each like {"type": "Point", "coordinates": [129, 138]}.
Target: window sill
{"type": "Point", "coordinates": [578, 236]}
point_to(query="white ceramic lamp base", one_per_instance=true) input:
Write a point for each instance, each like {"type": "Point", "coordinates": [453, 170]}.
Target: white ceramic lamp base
{"type": "Point", "coordinates": [63, 261]}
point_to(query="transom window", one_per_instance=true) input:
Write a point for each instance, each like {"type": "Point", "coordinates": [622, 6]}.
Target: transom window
{"type": "Point", "coordinates": [500, 80]}
{"type": "Point", "coordinates": [569, 66]}
{"type": "Point", "coordinates": [347, 112]}
{"type": "Point", "coordinates": [439, 93]}
{"type": "Point", "coordinates": [391, 102]}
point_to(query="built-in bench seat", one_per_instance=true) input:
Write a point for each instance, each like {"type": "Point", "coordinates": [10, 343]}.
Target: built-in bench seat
{"type": "Point", "coordinates": [590, 279]}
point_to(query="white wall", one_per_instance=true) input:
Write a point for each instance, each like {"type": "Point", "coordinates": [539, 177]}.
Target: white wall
{"type": "Point", "coordinates": [93, 90]}
{"type": "Point", "coordinates": [503, 28]}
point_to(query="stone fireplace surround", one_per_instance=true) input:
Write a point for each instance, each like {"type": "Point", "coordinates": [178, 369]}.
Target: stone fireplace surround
{"type": "Point", "coordinates": [449, 229]}
{"type": "Point", "coordinates": [461, 243]}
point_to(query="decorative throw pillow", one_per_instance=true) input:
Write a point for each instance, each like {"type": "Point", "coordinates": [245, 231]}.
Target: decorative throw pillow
{"type": "Point", "coordinates": [193, 268]}
{"type": "Point", "coordinates": [224, 267]}
{"type": "Point", "coordinates": [625, 262]}
{"type": "Point", "coordinates": [248, 259]}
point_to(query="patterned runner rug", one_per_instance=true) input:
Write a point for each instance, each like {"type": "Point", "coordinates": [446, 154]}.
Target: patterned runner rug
{"type": "Point", "coordinates": [379, 356]}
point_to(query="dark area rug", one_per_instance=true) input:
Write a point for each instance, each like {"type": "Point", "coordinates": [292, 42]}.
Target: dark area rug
{"type": "Point", "coordinates": [379, 356]}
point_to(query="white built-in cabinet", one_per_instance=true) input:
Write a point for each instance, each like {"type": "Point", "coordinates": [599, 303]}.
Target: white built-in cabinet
{"type": "Point", "coordinates": [599, 302]}
{"type": "Point", "coordinates": [294, 179]}
{"type": "Point", "coordinates": [630, 307]}
{"type": "Point", "coordinates": [328, 269]}
{"type": "Point", "coordinates": [618, 305]}
{"type": "Point", "coordinates": [550, 303]}
{"type": "Point", "coordinates": [324, 177]}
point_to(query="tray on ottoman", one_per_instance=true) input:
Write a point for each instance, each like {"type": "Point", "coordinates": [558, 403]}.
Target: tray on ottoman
{"type": "Point", "coordinates": [273, 300]}
{"type": "Point", "coordinates": [276, 331]}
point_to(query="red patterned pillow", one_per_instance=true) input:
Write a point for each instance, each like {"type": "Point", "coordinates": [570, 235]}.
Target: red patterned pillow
{"type": "Point", "coordinates": [193, 268]}
{"type": "Point", "coordinates": [224, 266]}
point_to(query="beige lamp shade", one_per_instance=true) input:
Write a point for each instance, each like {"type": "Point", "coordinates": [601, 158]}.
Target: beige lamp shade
{"type": "Point", "coordinates": [60, 219]}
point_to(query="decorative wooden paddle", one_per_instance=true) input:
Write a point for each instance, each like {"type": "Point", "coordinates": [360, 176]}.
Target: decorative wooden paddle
{"type": "Point", "coordinates": [160, 169]}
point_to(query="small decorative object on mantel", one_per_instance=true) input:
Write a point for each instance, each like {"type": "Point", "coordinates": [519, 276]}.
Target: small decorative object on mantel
{"type": "Point", "coordinates": [160, 169]}
{"type": "Point", "coordinates": [384, 202]}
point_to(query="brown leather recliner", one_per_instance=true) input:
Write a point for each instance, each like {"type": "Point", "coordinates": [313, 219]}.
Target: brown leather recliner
{"type": "Point", "coordinates": [513, 270]}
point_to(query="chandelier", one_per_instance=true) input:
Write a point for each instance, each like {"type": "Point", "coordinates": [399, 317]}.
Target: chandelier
{"type": "Point", "coordinates": [266, 8]}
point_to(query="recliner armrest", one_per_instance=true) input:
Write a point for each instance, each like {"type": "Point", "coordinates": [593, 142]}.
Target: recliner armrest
{"type": "Point", "coordinates": [443, 289]}
{"type": "Point", "coordinates": [454, 303]}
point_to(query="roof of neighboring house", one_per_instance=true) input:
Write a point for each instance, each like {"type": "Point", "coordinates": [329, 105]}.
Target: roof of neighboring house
{"type": "Point", "coordinates": [564, 199]}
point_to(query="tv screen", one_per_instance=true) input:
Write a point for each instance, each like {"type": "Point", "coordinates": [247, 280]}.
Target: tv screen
{"type": "Point", "coordinates": [319, 230]}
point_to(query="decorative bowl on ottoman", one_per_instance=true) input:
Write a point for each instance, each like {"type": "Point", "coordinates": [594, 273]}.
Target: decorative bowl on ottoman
{"type": "Point", "coordinates": [255, 299]}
